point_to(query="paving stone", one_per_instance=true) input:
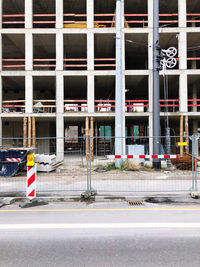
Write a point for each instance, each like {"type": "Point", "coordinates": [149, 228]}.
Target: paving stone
{"type": "Point", "coordinates": [32, 203]}
{"type": "Point", "coordinates": [7, 200]}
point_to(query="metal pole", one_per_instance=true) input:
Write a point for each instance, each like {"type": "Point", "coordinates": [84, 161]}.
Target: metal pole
{"type": "Point", "coordinates": [193, 175]}
{"type": "Point", "coordinates": [90, 162]}
{"type": "Point", "coordinates": [156, 86]}
{"type": "Point", "coordinates": [118, 86]}
{"type": "Point", "coordinates": [167, 129]}
{"type": "Point", "coordinates": [87, 159]}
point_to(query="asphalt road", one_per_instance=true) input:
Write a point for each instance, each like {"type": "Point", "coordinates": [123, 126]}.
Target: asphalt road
{"type": "Point", "coordinates": [100, 235]}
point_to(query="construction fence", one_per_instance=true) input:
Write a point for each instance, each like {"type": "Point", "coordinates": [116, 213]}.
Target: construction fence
{"type": "Point", "coordinates": [71, 166]}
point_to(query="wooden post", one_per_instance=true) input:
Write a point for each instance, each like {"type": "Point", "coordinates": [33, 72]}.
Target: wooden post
{"type": "Point", "coordinates": [87, 133]}
{"type": "Point", "coordinates": [187, 134]}
{"type": "Point", "coordinates": [181, 135]}
{"type": "Point", "coordinates": [92, 135]}
{"type": "Point", "coordinates": [29, 131]}
{"type": "Point", "coordinates": [33, 132]}
{"type": "Point", "coordinates": [25, 132]}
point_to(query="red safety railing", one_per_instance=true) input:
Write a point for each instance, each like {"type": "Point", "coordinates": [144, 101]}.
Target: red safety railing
{"type": "Point", "coordinates": [44, 106]}
{"type": "Point", "coordinates": [193, 17]}
{"type": "Point", "coordinates": [82, 62]}
{"type": "Point", "coordinates": [136, 105]}
{"type": "Point", "coordinates": [193, 58]}
{"type": "Point", "coordinates": [193, 105]}
{"type": "Point", "coordinates": [75, 105]}
{"type": "Point", "coordinates": [168, 18]}
{"type": "Point", "coordinates": [68, 62]}
{"type": "Point", "coordinates": [42, 20]}
{"type": "Point", "coordinates": [105, 20]}
{"type": "Point", "coordinates": [139, 105]}
{"type": "Point", "coordinates": [72, 20]}
{"type": "Point", "coordinates": [104, 105]}
{"type": "Point", "coordinates": [103, 62]}
{"type": "Point", "coordinates": [172, 105]}
{"type": "Point", "coordinates": [75, 63]}
{"type": "Point", "coordinates": [38, 19]}
{"type": "Point", "coordinates": [13, 106]}
{"type": "Point", "coordinates": [44, 63]}
{"type": "Point", "coordinates": [13, 19]}
{"type": "Point", "coordinates": [13, 63]}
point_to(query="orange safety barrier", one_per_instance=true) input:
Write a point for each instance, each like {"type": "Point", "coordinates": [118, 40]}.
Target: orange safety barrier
{"type": "Point", "coordinates": [44, 60]}
{"type": "Point", "coordinates": [79, 19]}
{"type": "Point", "coordinates": [193, 100]}
{"type": "Point", "coordinates": [70, 60]}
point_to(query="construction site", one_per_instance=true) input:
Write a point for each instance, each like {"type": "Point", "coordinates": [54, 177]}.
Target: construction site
{"type": "Point", "coordinates": [57, 66]}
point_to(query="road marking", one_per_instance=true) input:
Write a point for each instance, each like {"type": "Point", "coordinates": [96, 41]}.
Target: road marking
{"type": "Point", "coordinates": [83, 210]}
{"type": "Point", "coordinates": [98, 226]}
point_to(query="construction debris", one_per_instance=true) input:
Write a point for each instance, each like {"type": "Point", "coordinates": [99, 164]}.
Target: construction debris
{"type": "Point", "coordinates": [47, 163]}
{"type": "Point", "coordinates": [184, 162]}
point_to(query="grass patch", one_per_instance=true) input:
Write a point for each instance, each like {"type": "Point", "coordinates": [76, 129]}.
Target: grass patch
{"type": "Point", "coordinates": [111, 166]}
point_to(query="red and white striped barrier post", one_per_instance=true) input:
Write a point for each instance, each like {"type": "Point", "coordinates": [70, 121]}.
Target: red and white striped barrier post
{"type": "Point", "coordinates": [142, 156]}
{"type": "Point", "coordinates": [31, 177]}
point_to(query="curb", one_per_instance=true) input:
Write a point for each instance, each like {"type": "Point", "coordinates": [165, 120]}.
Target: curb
{"type": "Point", "coordinates": [159, 199]}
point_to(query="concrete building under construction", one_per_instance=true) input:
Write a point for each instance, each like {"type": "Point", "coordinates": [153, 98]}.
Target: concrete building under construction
{"type": "Point", "coordinates": [57, 64]}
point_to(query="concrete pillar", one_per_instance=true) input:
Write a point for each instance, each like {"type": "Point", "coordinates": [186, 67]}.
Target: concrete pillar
{"type": "Point", "coordinates": [59, 94]}
{"type": "Point", "coordinates": [59, 14]}
{"type": "Point", "coordinates": [28, 13]}
{"type": "Point", "coordinates": [1, 12]}
{"type": "Point", "coordinates": [90, 13]}
{"type": "Point", "coordinates": [182, 50]}
{"type": "Point", "coordinates": [183, 93]}
{"type": "Point", "coordinates": [194, 96]}
{"type": "Point", "coordinates": [90, 51]}
{"type": "Point", "coordinates": [150, 134]}
{"type": "Point", "coordinates": [122, 13]}
{"type": "Point", "coordinates": [182, 7]}
{"type": "Point", "coordinates": [59, 51]}
{"type": "Point", "coordinates": [28, 94]}
{"type": "Point", "coordinates": [123, 52]}
{"type": "Point", "coordinates": [0, 52]}
{"type": "Point", "coordinates": [1, 93]}
{"type": "Point", "coordinates": [1, 130]}
{"type": "Point", "coordinates": [59, 117]}
{"type": "Point", "coordinates": [195, 126]}
{"type": "Point", "coordinates": [150, 51]}
{"type": "Point", "coordinates": [60, 137]}
{"type": "Point", "coordinates": [150, 13]}
{"type": "Point", "coordinates": [90, 93]}
{"type": "Point", "coordinates": [29, 51]}
{"type": "Point", "coordinates": [194, 62]}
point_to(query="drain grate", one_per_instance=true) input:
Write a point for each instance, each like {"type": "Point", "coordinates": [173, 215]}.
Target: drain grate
{"type": "Point", "coordinates": [136, 203]}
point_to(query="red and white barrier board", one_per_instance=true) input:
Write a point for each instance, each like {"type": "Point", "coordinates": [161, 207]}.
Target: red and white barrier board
{"type": "Point", "coordinates": [13, 159]}
{"type": "Point", "coordinates": [142, 156]}
{"type": "Point", "coordinates": [31, 182]}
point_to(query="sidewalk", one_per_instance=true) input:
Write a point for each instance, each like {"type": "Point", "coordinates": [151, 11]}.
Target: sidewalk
{"type": "Point", "coordinates": [115, 182]}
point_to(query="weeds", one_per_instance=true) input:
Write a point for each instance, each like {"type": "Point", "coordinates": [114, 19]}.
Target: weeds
{"type": "Point", "coordinates": [111, 166]}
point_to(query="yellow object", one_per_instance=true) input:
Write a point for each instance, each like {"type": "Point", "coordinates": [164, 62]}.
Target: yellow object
{"type": "Point", "coordinates": [82, 25]}
{"type": "Point", "coordinates": [77, 25]}
{"type": "Point", "coordinates": [182, 144]}
{"type": "Point", "coordinates": [30, 161]}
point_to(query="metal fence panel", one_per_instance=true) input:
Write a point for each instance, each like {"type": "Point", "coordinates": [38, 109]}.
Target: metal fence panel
{"type": "Point", "coordinates": [61, 176]}
{"type": "Point", "coordinates": [137, 174]}
{"type": "Point", "coordinates": [87, 166]}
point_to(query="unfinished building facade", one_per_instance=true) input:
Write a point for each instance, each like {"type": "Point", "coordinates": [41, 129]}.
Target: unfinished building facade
{"type": "Point", "coordinates": [57, 64]}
